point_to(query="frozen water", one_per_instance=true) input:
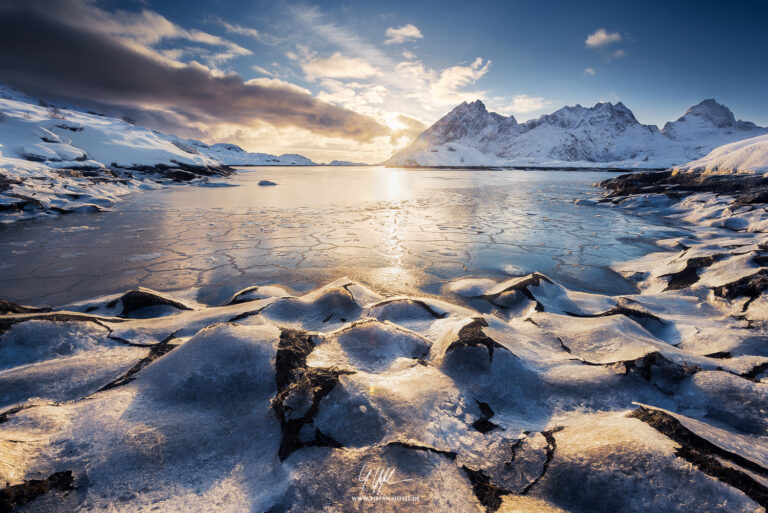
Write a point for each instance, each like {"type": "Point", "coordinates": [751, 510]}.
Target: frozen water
{"type": "Point", "coordinates": [401, 231]}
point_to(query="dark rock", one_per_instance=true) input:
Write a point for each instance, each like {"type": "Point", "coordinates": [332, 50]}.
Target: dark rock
{"type": "Point", "coordinates": [486, 492]}
{"type": "Point", "coordinates": [155, 352]}
{"type": "Point", "coordinates": [266, 183]}
{"type": "Point", "coordinates": [747, 189]}
{"type": "Point", "coordinates": [134, 300]}
{"type": "Point", "coordinates": [749, 286]}
{"type": "Point", "coordinates": [421, 447]}
{"type": "Point", "coordinates": [179, 175]}
{"type": "Point", "coordinates": [472, 335]}
{"type": "Point", "coordinates": [483, 424]}
{"type": "Point", "coordinates": [706, 456]}
{"type": "Point", "coordinates": [7, 414]}
{"type": "Point", "coordinates": [549, 436]}
{"type": "Point", "coordinates": [293, 377]}
{"type": "Point", "coordinates": [18, 495]}
{"type": "Point", "coordinates": [8, 307]}
{"type": "Point", "coordinates": [690, 275]}
{"type": "Point", "coordinates": [654, 367]}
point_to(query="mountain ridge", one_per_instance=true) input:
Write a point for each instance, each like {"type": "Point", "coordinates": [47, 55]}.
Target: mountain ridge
{"type": "Point", "coordinates": [605, 135]}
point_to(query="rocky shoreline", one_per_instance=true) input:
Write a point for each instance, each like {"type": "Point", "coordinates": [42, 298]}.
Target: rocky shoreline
{"type": "Point", "coordinates": [45, 191]}
{"type": "Point", "coordinates": [746, 189]}
{"type": "Point", "coordinates": [554, 400]}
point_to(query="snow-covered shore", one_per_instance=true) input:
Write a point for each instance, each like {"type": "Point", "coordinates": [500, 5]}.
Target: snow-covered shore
{"type": "Point", "coordinates": [544, 399]}
{"type": "Point", "coordinates": [55, 160]}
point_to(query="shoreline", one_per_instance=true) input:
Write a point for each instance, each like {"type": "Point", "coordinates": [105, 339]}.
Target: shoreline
{"type": "Point", "coordinates": [549, 388]}
{"type": "Point", "coordinates": [536, 168]}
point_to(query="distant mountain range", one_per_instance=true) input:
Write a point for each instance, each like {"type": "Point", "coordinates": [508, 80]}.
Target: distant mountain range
{"type": "Point", "coordinates": [606, 135]}
{"type": "Point", "coordinates": [233, 155]}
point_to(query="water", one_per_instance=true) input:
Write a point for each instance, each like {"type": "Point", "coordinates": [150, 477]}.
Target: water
{"type": "Point", "coordinates": [397, 230]}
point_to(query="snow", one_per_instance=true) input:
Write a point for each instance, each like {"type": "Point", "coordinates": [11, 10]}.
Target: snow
{"type": "Point", "coordinates": [56, 159]}
{"type": "Point", "coordinates": [402, 381]}
{"type": "Point", "coordinates": [29, 130]}
{"type": "Point", "coordinates": [604, 136]}
{"type": "Point", "coordinates": [747, 156]}
{"type": "Point", "coordinates": [233, 155]}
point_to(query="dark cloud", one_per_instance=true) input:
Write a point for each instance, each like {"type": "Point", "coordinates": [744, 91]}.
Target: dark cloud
{"type": "Point", "coordinates": [47, 54]}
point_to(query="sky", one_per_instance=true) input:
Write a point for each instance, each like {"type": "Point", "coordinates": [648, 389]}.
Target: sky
{"type": "Point", "coordinates": [358, 80]}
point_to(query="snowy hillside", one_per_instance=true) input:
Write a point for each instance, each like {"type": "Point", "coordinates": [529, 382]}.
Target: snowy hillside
{"type": "Point", "coordinates": [233, 155]}
{"type": "Point", "coordinates": [747, 156]}
{"type": "Point", "coordinates": [55, 160]}
{"type": "Point", "coordinates": [606, 135]}
{"type": "Point", "coordinates": [64, 138]}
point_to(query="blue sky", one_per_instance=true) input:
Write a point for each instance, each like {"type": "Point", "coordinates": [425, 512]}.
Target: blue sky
{"type": "Point", "coordinates": [404, 63]}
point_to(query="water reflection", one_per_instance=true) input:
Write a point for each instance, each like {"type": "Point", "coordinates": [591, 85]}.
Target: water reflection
{"type": "Point", "coordinates": [402, 231]}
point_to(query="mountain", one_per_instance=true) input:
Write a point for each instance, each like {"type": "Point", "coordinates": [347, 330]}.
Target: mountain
{"type": "Point", "coordinates": [345, 163]}
{"type": "Point", "coordinates": [606, 135]}
{"type": "Point", "coordinates": [55, 159]}
{"type": "Point", "coordinates": [233, 155]}
{"type": "Point", "coordinates": [63, 138]}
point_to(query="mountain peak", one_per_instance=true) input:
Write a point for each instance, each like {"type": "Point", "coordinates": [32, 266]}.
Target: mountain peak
{"type": "Point", "coordinates": [475, 106]}
{"type": "Point", "coordinates": [716, 113]}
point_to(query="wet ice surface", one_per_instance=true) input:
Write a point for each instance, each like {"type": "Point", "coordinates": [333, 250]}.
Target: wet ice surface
{"type": "Point", "coordinates": [400, 231]}
{"type": "Point", "coordinates": [524, 395]}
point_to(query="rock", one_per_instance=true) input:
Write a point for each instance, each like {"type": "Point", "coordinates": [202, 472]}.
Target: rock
{"type": "Point", "coordinates": [264, 183]}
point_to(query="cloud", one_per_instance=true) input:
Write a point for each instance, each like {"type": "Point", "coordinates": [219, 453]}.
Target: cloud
{"type": "Point", "coordinates": [602, 38]}
{"type": "Point", "coordinates": [402, 34]}
{"type": "Point", "coordinates": [405, 127]}
{"type": "Point", "coordinates": [589, 71]}
{"type": "Point", "coordinates": [56, 55]}
{"type": "Point", "coordinates": [263, 71]}
{"type": "Point", "coordinates": [245, 31]}
{"type": "Point", "coordinates": [338, 66]}
{"type": "Point", "coordinates": [276, 83]}
{"type": "Point", "coordinates": [444, 87]}
{"type": "Point", "coordinates": [618, 53]}
{"type": "Point", "coordinates": [522, 103]}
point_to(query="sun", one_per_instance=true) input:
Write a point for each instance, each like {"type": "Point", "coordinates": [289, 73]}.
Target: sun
{"type": "Point", "coordinates": [392, 121]}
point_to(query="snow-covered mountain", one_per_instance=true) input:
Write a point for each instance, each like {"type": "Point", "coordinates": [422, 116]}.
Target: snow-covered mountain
{"type": "Point", "coordinates": [70, 139]}
{"type": "Point", "coordinates": [233, 155]}
{"type": "Point", "coordinates": [345, 163]}
{"type": "Point", "coordinates": [606, 135]}
{"type": "Point", "coordinates": [55, 158]}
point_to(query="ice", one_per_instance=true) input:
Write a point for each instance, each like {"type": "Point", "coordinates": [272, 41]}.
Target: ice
{"type": "Point", "coordinates": [271, 384]}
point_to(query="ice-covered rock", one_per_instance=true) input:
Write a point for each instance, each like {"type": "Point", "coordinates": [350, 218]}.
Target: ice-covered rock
{"type": "Point", "coordinates": [653, 400]}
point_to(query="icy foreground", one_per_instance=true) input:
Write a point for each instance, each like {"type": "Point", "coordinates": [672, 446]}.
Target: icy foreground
{"type": "Point", "coordinates": [604, 136]}
{"type": "Point", "coordinates": [529, 397]}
